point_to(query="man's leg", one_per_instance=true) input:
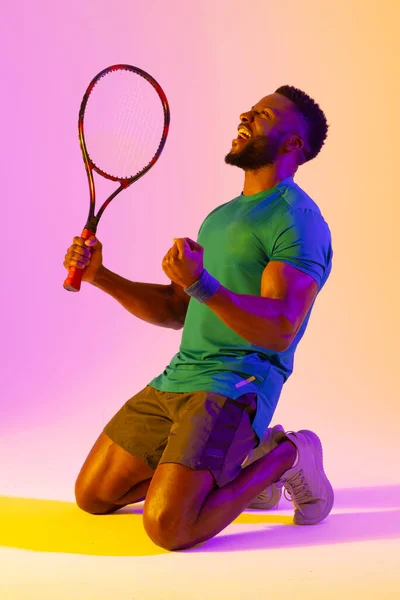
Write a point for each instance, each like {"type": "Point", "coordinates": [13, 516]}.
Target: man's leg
{"type": "Point", "coordinates": [111, 478]}
{"type": "Point", "coordinates": [172, 527]}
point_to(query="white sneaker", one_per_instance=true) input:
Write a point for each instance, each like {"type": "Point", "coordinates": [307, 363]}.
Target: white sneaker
{"type": "Point", "coordinates": [311, 493]}
{"type": "Point", "coordinates": [270, 497]}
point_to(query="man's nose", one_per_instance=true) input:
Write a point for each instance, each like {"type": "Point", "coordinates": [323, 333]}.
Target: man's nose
{"type": "Point", "coordinates": [247, 117]}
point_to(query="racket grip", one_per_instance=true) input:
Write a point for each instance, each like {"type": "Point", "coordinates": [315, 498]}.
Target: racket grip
{"type": "Point", "coordinates": [74, 278]}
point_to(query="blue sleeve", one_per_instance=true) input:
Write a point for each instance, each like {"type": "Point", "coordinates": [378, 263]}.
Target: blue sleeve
{"type": "Point", "coordinates": [303, 239]}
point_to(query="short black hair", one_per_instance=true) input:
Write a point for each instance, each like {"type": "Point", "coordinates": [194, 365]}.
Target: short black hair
{"type": "Point", "coordinates": [313, 117]}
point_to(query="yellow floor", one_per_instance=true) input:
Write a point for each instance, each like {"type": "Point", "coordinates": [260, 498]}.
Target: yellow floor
{"type": "Point", "coordinates": [52, 550]}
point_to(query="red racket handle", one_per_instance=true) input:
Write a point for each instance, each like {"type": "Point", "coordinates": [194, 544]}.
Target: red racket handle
{"type": "Point", "coordinates": [74, 279]}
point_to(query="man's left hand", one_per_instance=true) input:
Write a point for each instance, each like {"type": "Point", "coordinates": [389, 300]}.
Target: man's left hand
{"type": "Point", "coordinates": [183, 263]}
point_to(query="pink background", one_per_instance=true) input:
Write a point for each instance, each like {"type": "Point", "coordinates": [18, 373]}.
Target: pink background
{"type": "Point", "coordinates": [69, 361]}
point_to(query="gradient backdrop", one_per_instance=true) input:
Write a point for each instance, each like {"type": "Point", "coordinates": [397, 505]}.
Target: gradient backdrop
{"type": "Point", "coordinates": [69, 361]}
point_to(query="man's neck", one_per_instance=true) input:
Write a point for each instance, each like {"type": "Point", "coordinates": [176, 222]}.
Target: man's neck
{"type": "Point", "coordinates": [264, 179]}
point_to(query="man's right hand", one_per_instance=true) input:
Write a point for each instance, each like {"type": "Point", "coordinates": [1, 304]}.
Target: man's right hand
{"type": "Point", "coordinates": [87, 255]}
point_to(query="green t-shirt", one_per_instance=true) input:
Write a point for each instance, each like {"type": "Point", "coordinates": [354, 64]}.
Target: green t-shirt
{"type": "Point", "coordinates": [240, 238]}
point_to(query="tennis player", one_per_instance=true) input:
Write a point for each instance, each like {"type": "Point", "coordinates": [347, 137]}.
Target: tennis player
{"type": "Point", "coordinates": [195, 442]}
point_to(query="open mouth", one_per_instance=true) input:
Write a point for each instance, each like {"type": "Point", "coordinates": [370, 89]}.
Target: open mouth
{"type": "Point", "coordinates": [244, 133]}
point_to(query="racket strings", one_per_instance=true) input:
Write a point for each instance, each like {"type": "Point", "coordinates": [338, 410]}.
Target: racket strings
{"type": "Point", "coordinates": [123, 123]}
{"type": "Point", "coordinates": [140, 141]}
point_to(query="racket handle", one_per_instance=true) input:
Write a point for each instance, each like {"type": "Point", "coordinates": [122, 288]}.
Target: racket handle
{"type": "Point", "coordinates": [74, 278]}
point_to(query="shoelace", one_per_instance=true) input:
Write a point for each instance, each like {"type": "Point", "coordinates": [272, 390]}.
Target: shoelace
{"type": "Point", "coordinates": [297, 488]}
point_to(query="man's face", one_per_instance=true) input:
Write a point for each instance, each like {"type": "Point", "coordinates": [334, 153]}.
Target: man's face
{"type": "Point", "coordinates": [262, 133]}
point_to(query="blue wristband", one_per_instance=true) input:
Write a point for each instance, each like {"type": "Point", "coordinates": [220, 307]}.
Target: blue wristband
{"type": "Point", "coordinates": [205, 287]}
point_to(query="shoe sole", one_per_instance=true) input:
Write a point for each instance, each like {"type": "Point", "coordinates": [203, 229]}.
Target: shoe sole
{"type": "Point", "coordinates": [258, 452]}
{"type": "Point", "coordinates": [330, 494]}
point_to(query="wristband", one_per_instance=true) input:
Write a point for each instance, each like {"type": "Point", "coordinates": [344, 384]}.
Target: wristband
{"type": "Point", "coordinates": [205, 287]}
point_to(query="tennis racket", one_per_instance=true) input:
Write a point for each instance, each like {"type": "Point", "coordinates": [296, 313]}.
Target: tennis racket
{"type": "Point", "coordinates": [123, 126]}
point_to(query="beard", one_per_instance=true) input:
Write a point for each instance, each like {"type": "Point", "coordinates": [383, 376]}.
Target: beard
{"type": "Point", "coordinates": [257, 153]}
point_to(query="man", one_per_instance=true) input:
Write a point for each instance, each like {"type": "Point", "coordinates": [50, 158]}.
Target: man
{"type": "Point", "coordinates": [195, 442]}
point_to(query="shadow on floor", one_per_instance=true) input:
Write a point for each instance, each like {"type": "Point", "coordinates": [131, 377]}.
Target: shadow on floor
{"type": "Point", "coordinates": [359, 514]}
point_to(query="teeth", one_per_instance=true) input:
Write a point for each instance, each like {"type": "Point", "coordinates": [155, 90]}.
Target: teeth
{"type": "Point", "coordinates": [244, 133]}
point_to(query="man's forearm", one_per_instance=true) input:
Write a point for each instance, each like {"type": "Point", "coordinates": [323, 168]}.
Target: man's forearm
{"type": "Point", "coordinates": [258, 320]}
{"type": "Point", "coordinates": [150, 302]}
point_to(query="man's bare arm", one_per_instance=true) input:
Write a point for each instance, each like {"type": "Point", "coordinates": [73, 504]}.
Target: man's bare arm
{"type": "Point", "coordinates": [162, 305]}
{"type": "Point", "coordinates": [272, 319]}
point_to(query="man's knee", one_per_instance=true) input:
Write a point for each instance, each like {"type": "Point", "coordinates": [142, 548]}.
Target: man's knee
{"type": "Point", "coordinates": [90, 502]}
{"type": "Point", "coordinates": [164, 531]}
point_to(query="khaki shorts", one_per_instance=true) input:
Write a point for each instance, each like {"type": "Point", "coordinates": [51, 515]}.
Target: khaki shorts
{"type": "Point", "coordinates": [202, 430]}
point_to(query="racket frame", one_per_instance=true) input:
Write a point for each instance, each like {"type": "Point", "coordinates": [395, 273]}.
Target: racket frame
{"type": "Point", "coordinates": [73, 281]}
